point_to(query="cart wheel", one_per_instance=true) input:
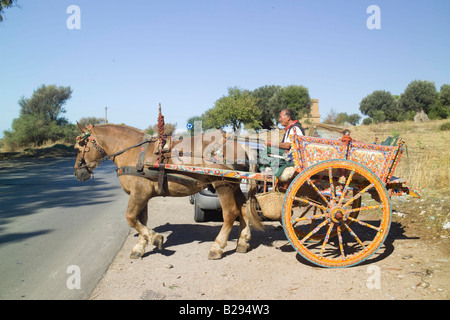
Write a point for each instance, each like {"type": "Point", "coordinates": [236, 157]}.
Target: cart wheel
{"type": "Point", "coordinates": [342, 224]}
{"type": "Point", "coordinates": [304, 228]}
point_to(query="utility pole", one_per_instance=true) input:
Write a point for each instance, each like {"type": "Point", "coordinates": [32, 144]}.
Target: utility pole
{"type": "Point", "coordinates": [106, 112]}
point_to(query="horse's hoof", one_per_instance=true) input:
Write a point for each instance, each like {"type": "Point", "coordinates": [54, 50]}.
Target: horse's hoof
{"type": "Point", "coordinates": [158, 241]}
{"type": "Point", "coordinates": [242, 248]}
{"type": "Point", "coordinates": [135, 255]}
{"type": "Point", "coordinates": [214, 255]}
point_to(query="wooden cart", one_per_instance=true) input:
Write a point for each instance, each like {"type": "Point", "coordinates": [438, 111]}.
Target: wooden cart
{"type": "Point", "coordinates": [336, 212]}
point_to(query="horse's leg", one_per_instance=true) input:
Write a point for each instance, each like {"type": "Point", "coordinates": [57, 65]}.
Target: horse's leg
{"type": "Point", "coordinates": [230, 212]}
{"type": "Point", "coordinates": [137, 215]}
{"type": "Point", "coordinates": [244, 233]}
{"type": "Point", "coordinates": [157, 239]}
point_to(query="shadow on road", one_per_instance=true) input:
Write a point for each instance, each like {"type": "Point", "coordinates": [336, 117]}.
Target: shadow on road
{"type": "Point", "coordinates": [396, 232]}
{"type": "Point", "coordinates": [187, 233]}
{"type": "Point", "coordinates": [29, 185]}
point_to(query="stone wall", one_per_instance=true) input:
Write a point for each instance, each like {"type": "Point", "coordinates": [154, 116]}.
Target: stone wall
{"type": "Point", "coordinates": [314, 116]}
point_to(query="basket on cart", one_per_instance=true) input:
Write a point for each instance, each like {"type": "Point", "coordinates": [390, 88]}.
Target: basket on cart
{"type": "Point", "coordinates": [271, 204]}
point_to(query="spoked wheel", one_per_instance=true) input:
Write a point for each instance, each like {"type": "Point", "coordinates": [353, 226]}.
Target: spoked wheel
{"type": "Point", "coordinates": [303, 226]}
{"type": "Point", "coordinates": [336, 213]}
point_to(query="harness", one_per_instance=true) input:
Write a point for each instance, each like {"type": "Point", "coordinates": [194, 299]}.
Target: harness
{"type": "Point", "coordinates": [139, 169]}
{"type": "Point", "coordinates": [156, 170]}
{"type": "Point", "coordinates": [83, 141]}
{"type": "Point", "coordinates": [163, 148]}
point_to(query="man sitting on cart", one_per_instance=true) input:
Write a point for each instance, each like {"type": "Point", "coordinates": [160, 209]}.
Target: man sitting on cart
{"type": "Point", "coordinates": [279, 162]}
{"type": "Point", "coordinates": [291, 125]}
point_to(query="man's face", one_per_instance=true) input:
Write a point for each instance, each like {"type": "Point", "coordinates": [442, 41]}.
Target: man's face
{"type": "Point", "coordinates": [284, 119]}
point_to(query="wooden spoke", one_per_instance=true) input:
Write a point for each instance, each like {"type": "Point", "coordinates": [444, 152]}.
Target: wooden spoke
{"type": "Point", "coordinates": [330, 176]}
{"type": "Point", "coordinates": [341, 247]}
{"type": "Point", "coordinates": [316, 229]}
{"type": "Point", "coordinates": [365, 208]}
{"type": "Point", "coordinates": [318, 191]}
{"type": "Point", "coordinates": [365, 224]}
{"type": "Point", "coordinates": [327, 237]}
{"type": "Point", "coordinates": [311, 218]}
{"type": "Point", "coordinates": [354, 235]}
{"type": "Point", "coordinates": [349, 179]}
{"type": "Point", "coordinates": [310, 202]}
{"type": "Point", "coordinates": [358, 195]}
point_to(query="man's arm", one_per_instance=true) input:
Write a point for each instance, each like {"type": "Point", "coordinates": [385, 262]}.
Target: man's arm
{"type": "Point", "coordinates": [281, 145]}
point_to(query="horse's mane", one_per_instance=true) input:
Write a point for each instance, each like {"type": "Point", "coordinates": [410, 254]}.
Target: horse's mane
{"type": "Point", "coordinates": [122, 125]}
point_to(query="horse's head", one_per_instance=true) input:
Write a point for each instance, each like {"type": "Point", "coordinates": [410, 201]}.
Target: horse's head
{"type": "Point", "coordinates": [89, 151]}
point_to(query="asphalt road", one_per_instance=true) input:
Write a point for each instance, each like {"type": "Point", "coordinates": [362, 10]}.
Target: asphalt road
{"type": "Point", "coordinates": [57, 235]}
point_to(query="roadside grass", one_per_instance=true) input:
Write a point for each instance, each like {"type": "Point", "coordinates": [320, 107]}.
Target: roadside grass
{"type": "Point", "coordinates": [426, 161]}
{"type": "Point", "coordinates": [47, 150]}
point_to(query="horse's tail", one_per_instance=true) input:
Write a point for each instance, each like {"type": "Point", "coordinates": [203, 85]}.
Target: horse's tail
{"type": "Point", "coordinates": [252, 214]}
{"type": "Point", "coordinates": [250, 206]}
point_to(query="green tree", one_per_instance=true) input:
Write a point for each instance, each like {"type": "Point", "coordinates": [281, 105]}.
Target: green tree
{"type": "Point", "coordinates": [419, 95]}
{"type": "Point", "coordinates": [367, 121]}
{"type": "Point", "coordinates": [236, 109]}
{"type": "Point", "coordinates": [5, 4]}
{"type": "Point", "coordinates": [341, 118]}
{"type": "Point", "coordinates": [296, 98]}
{"type": "Point", "coordinates": [353, 119]}
{"type": "Point", "coordinates": [441, 108]}
{"type": "Point", "coordinates": [444, 95]}
{"type": "Point", "coordinates": [270, 108]}
{"type": "Point", "coordinates": [40, 118]}
{"type": "Point", "coordinates": [378, 116]}
{"type": "Point", "coordinates": [47, 101]}
{"type": "Point", "coordinates": [26, 130]}
{"type": "Point", "coordinates": [33, 130]}
{"type": "Point", "coordinates": [380, 102]}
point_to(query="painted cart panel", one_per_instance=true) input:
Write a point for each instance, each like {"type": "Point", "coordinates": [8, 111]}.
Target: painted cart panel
{"type": "Point", "coordinates": [308, 151]}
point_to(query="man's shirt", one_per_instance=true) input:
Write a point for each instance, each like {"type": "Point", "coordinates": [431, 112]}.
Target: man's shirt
{"type": "Point", "coordinates": [294, 128]}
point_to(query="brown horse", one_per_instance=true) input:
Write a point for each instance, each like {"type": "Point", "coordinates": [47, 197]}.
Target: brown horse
{"type": "Point", "coordinates": [109, 141]}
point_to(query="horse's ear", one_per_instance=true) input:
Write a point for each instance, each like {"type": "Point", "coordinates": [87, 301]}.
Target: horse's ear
{"type": "Point", "coordinates": [81, 127]}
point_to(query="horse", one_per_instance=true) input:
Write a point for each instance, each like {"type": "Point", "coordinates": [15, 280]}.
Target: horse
{"type": "Point", "coordinates": [130, 149]}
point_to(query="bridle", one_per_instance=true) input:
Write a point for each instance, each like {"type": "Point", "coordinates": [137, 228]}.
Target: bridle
{"type": "Point", "coordinates": [82, 141]}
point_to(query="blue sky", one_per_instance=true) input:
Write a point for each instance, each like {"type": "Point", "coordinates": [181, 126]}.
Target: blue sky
{"type": "Point", "coordinates": [130, 56]}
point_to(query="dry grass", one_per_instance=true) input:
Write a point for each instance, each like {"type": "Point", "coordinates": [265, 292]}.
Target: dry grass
{"type": "Point", "coordinates": [426, 164]}
{"type": "Point", "coordinates": [47, 150]}
{"type": "Point", "coordinates": [47, 144]}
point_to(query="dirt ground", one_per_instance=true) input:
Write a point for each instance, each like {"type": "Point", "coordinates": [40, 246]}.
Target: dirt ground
{"type": "Point", "coordinates": [411, 264]}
